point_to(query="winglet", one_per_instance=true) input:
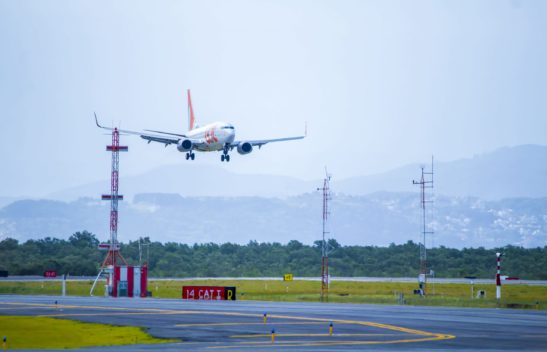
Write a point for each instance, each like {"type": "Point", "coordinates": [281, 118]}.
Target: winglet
{"type": "Point", "coordinates": [191, 118]}
{"type": "Point", "coordinates": [97, 121]}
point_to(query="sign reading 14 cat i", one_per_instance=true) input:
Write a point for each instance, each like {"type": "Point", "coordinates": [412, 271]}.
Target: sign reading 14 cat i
{"type": "Point", "coordinates": [209, 293]}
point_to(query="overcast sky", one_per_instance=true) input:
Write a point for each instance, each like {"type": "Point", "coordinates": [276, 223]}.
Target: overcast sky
{"type": "Point", "coordinates": [380, 83]}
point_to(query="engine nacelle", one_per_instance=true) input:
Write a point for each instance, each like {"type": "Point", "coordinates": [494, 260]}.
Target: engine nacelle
{"type": "Point", "coordinates": [184, 145]}
{"type": "Point", "coordinates": [244, 148]}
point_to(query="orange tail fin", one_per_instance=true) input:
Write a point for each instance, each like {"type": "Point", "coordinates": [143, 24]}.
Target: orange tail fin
{"type": "Point", "coordinates": [191, 118]}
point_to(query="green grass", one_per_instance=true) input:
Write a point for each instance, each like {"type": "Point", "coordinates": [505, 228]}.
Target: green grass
{"type": "Point", "coordinates": [456, 295]}
{"type": "Point", "coordinates": [42, 333]}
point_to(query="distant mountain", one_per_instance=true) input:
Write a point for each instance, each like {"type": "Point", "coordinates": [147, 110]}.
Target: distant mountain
{"type": "Point", "coordinates": [376, 219]}
{"type": "Point", "coordinates": [489, 200]}
{"type": "Point", "coordinates": [193, 179]}
{"type": "Point", "coordinates": [7, 200]}
{"type": "Point", "coordinates": [509, 172]}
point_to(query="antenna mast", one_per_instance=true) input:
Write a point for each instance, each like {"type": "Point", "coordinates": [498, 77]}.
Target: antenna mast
{"type": "Point", "coordinates": [113, 197]}
{"type": "Point", "coordinates": [324, 245]}
{"type": "Point", "coordinates": [426, 182]}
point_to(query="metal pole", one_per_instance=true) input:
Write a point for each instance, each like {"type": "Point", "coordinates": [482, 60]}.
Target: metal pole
{"type": "Point", "coordinates": [63, 291]}
{"type": "Point", "coordinates": [424, 183]}
{"type": "Point", "coordinates": [324, 245]}
{"type": "Point", "coordinates": [472, 290]}
{"type": "Point", "coordinates": [498, 276]}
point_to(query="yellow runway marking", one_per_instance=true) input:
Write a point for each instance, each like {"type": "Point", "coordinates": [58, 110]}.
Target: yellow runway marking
{"type": "Point", "coordinates": [239, 324]}
{"type": "Point", "coordinates": [109, 314]}
{"type": "Point", "coordinates": [15, 308]}
{"type": "Point", "coordinates": [250, 336]}
{"type": "Point", "coordinates": [330, 343]}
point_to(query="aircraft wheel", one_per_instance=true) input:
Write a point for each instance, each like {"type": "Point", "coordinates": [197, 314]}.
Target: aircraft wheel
{"type": "Point", "coordinates": [227, 158]}
{"type": "Point", "coordinates": [192, 156]}
{"type": "Point", "coordinates": [222, 157]}
{"type": "Point", "coordinates": [187, 156]}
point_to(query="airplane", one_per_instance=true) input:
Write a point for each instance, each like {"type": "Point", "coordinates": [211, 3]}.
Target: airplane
{"type": "Point", "coordinates": [216, 136]}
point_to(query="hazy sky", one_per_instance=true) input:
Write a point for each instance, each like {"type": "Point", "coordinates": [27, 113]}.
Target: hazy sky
{"type": "Point", "coordinates": [380, 83]}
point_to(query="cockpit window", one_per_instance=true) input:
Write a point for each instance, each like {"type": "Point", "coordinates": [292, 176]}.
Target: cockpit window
{"type": "Point", "coordinates": [228, 127]}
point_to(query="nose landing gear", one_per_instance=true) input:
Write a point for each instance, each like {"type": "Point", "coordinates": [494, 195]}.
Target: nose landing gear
{"type": "Point", "coordinates": [225, 155]}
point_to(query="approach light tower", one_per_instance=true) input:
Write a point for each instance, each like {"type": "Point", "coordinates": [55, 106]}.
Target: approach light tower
{"type": "Point", "coordinates": [324, 245]}
{"type": "Point", "coordinates": [113, 197]}
{"type": "Point", "coordinates": [426, 182]}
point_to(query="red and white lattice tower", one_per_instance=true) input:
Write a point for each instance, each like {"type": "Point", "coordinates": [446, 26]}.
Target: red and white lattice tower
{"type": "Point", "coordinates": [498, 275]}
{"type": "Point", "coordinates": [114, 197]}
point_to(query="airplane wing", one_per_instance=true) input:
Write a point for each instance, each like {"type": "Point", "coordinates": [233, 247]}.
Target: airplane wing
{"type": "Point", "coordinates": [166, 138]}
{"type": "Point", "coordinates": [261, 142]}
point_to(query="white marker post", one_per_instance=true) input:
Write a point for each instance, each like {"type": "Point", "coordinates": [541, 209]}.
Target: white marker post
{"type": "Point", "coordinates": [63, 293]}
{"type": "Point", "coordinates": [498, 278]}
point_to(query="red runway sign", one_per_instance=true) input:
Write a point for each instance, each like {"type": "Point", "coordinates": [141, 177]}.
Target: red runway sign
{"type": "Point", "coordinates": [209, 293]}
{"type": "Point", "coordinates": [50, 273]}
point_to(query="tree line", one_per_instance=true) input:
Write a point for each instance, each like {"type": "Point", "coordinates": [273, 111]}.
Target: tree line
{"type": "Point", "coordinates": [79, 255]}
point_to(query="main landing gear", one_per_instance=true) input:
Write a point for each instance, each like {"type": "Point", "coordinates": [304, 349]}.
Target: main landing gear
{"type": "Point", "coordinates": [225, 155]}
{"type": "Point", "coordinates": [190, 156]}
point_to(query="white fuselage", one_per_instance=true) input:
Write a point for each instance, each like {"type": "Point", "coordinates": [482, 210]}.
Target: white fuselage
{"type": "Point", "coordinates": [214, 136]}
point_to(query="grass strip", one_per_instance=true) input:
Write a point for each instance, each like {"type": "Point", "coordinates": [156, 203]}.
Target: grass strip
{"type": "Point", "coordinates": [46, 333]}
{"type": "Point", "coordinates": [439, 294]}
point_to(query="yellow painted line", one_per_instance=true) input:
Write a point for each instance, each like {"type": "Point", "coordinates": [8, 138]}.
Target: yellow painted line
{"type": "Point", "coordinates": [304, 335]}
{"type": "Point", "coordinates": [17, 308]}
{"type": "Point", "coordinates": [67, 306]}
{"type": "Point", "coordinates": [329, 343]}
{"type": "Point", "coordinates": [357, 322]}
{"type": "Point", "coordinates": [268, 342]}
{"type": "Point", "coordinates": [238, 324]}
{"type": "Point", "coordinates": [110, 314]}
{"type": "Point", "coordinates": [123, 309]}
{"type": "Point", "coordinates": [430, 336]}
{"type": "Point", "coordinates": [166, 311]}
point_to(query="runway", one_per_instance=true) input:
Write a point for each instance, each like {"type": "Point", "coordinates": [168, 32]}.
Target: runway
{"type": "Point", "coordinates": [239, 325]}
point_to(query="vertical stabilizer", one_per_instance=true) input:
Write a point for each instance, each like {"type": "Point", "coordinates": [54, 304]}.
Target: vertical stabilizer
{"type": "Point", "coordinates": [191, 118]}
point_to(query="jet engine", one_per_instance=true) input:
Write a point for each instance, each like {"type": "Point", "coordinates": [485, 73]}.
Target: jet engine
{"type": "Point", "coordinates": [184, 145]}
{"type": "Point", "coordinates": [244, 148]}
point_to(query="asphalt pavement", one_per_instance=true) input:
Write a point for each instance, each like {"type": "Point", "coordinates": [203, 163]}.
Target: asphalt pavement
{"type": "Point", "coordinates": [239, 325]}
